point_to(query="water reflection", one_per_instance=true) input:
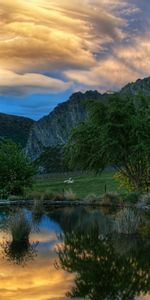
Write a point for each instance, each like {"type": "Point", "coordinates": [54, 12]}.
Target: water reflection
{"type": "Point", "coordinates": [92, 263]}
{"type": "Point", "coordinates": [103, 271]}
{"type": "Point", "coordinates": [20, 252]}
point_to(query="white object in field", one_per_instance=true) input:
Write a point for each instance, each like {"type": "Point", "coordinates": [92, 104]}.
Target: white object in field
{"type": "Point", "coordinates": [70, 180]}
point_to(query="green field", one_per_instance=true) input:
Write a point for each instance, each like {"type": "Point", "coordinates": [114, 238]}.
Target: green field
{"type": "Point", "coordinates": [82, 186]}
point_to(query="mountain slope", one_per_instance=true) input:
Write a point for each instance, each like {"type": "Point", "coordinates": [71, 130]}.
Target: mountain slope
{"type": "Point", "coordinates": [55, 128]}
{"type": "Point", "coordinates": [15, 128]}
{"type": "Point", "coordinates": [141, 86]}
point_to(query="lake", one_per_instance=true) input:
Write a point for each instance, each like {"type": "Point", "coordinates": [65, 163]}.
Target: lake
{"type": "Point", "coordinates": [73, 253]}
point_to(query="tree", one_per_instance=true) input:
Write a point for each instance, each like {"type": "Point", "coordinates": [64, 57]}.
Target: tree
{"type": "Point", "coordinates": [117, 133]}
{"type": "Point", "coordinates": [16, 171]}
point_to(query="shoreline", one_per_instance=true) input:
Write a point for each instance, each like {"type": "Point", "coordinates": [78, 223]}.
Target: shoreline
{"type": "Point", "coordinates": [65, 203]}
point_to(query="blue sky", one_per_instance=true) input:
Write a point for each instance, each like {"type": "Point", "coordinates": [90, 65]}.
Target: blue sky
{"type": "Point", "coordinates": [50, 49]}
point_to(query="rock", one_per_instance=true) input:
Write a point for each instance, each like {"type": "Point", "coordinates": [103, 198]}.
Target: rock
{"type": "Point", "coordinates": [55, 128]}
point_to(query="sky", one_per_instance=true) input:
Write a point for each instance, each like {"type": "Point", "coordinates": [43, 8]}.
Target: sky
{"type": "Point", "coordinates": [51, 49]}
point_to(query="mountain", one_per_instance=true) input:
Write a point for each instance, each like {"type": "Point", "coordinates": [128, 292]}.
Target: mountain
{"type": "Point", "coordinates": [54, 129]}
{"type": "Point", "coordinates": [15, 128]}
{"type": "Point", "coordinates": [51, 132]}
{"type": "Point", "coordinates": [140, 86]}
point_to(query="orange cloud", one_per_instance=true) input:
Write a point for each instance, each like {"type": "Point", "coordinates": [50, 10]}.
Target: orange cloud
{"type": "Point", "coordinates": [110, 73]}
{"type": "Point", "coordinates": [76, 38]}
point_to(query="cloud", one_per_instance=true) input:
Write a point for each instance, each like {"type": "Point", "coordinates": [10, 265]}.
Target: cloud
{"type": "Point", "coordinates": [125, 64]}
{"type": "Point", "coordinates": [46, 35]}
{"type": "Point", "coordinates": [96, 44]}
{"type": "Point", "coordinates": [136, 55]}
{"type": "Point", "coordinates": [108, 74]}
{"type": "Point", "coordinates": [23, 84]}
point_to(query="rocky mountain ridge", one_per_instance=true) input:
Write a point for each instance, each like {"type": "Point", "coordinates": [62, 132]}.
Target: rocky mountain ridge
{"type": "Point", "coordinates": [54, 129]}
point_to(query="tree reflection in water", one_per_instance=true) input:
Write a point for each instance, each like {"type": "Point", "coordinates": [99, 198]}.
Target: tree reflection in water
{"type": "Point", "coordinates": [107, 267]}
{"type": "Point", "coordinates": [20, 252]}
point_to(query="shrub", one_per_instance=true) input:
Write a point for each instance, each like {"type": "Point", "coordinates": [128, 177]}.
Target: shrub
{"type": "Point", "coordinates": [58, 197]}
{"type": "Point", "coordinates": [16, 172]}
{"type": "Point", "coordinates": [48, 196]}
{"type": "Point", "coordinates": [127, 221]}
{"type": "Point", "coordinates": [132, 197]}
{"type": "Point", "coordinates": [34, 196]}
{"type": "Point", "coordinates": [19, 226]}
{"type": "Point", "coordinates": [128, 183]}
{"type": "Point", "coordinates": [111, 199]}
{"type": "Point", "coordinates": [92, 198]}
{"type": "Point", "coordinates": [70, 195]}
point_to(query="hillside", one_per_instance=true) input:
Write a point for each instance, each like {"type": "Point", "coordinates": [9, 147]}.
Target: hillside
{"type": "Point", "coordinates": [54, 129]}
{"type": "Point", "coordinates": [15, 128]}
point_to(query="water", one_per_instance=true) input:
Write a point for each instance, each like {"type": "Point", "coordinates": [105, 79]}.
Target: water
{"type": "Point", "coordinates": [73, 253]}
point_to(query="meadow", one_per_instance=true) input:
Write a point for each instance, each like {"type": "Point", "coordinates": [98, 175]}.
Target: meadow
{"type": "Point", "coordinates": [82, 186]}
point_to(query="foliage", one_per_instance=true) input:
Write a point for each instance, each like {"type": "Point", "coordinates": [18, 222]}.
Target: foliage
{"type": "Point", "coordinates": [111, 199]}
{"type": "Point", "coordinates": [34, 195]}
{"type": "Point", "coordinates": [117, 133]}
{"type": "Point", "coordinates": [70, 195]}
{"type": "Point", "coordinates": [52, 160]}
{"type": "Point", "coordinates": [92, 198]}
{"type": "Point", "coordinates": [132, 197]}
{"type": "Point", "coordinates": [47, 195]}
{"type": "Point", "coordinates": [16, 172]}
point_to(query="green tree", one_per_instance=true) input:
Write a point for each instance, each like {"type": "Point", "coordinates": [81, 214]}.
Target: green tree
{"type": "Point", "coordinates": [117, 134]}
{"type": "Point", "coordinates": [16, 172]}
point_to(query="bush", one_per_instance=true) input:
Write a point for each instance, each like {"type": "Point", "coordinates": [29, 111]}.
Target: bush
{"type": "Point", "coordinates": [58, 197]}
{"type": "Point", "coordinates": [34, 196]}
{"type": "Point", "coordinates": [16, 172]}
{"type": "Point", "coordinates": [48, 196]}
{"type": "Point", "coordinates": [70, 195]}
{"type": "Point", "coordinates": [111, 199]}
{"type": "Point", "coordinates": [92, 198]}
{"type": "Point", "coordinates": [132, 198]}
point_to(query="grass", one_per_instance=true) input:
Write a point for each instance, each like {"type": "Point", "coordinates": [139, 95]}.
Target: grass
{"type": "Point", "coordinates": [82, 186]}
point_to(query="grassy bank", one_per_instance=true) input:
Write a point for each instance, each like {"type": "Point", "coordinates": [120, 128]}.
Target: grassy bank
{"type": "Point", "coordinates": [82, 185]}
